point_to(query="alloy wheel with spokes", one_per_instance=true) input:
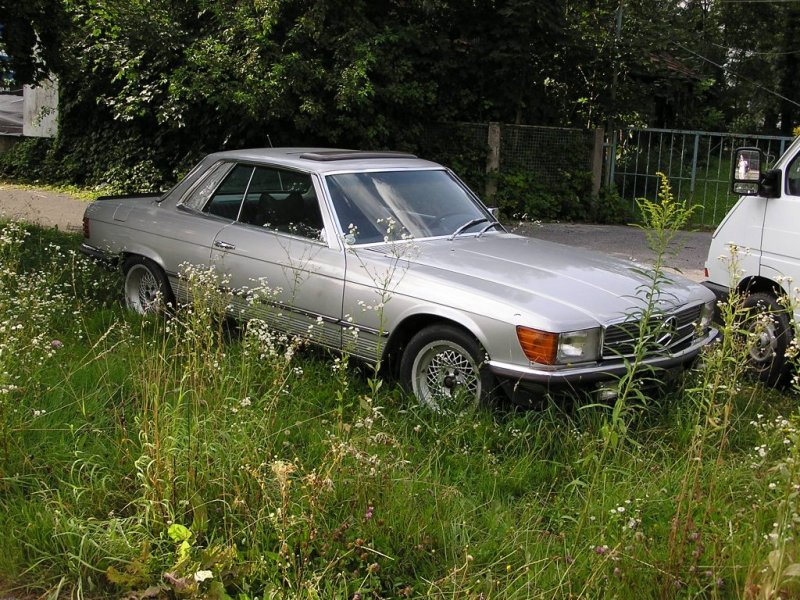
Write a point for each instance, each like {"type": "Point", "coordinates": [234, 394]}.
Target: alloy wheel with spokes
{"type": "Point", "coordinates": [146, 288]}
{"type": "Point", "coordinates": [443, 367]}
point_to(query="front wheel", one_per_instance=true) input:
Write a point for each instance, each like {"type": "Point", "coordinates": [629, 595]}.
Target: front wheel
{"type": "Point", "coordinates": [769, 334]}
{"type": "Point", "coordinates": [146, 288]}
{"type": "Point", "coordinates": [444, 368]}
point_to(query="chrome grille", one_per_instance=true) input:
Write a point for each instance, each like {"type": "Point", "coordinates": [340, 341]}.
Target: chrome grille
{"type": "Point", "coordinates": [671, 332]}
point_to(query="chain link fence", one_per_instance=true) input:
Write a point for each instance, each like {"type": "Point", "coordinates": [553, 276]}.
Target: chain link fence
{"type": "Point", "coordinates": [528, 171]}
{"type": "Point", "coordinates": [547, 151]}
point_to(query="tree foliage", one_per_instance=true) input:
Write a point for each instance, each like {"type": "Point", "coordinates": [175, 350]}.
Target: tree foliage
{"type": "Point", "coordinates": [764, 64]}
{"type": "Point", "coordinates": [155, 83]}
{"type": "Point", "coordinates": [32, 35]}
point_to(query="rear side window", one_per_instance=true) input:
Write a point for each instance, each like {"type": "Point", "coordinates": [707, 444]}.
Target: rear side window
{"type": "Point", "coordinates": [198, 197]}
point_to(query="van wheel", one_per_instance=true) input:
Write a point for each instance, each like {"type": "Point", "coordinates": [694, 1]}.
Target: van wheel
{"type": "Point", "coordinates": [146, 288]}
{"type": "Point", "coordinates": [769, 334]}
{"type": "Point", "coordinates": [444, 368]}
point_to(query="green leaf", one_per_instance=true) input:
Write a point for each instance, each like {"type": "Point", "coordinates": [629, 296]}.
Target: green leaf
{"type": "Point", "coordinates": [774, 559]}
{"type": "Point", "coordinates": [179, 533]}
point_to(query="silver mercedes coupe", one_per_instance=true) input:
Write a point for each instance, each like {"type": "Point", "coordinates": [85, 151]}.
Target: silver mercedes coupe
{"type": "Point", "coordinates": [392, 259]}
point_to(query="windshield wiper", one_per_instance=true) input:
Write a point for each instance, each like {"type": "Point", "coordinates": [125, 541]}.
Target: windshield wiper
{"type": "Point", "coordinates": [467, 225]}
{"type": "Point", "coordinates": [488, 227]}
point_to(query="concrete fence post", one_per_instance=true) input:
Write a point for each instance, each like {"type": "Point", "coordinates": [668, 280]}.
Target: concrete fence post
{"type": "Point", "coordinates": [492, 159]}
{"type": "Point", "coordinates": [597, 161]}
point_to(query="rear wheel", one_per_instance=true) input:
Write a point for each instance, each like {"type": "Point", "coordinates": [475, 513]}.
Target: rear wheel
{"type": "Point", "coordinates": [146, 288]}
{"type": "Point", "coordinates": [444, 368]}
{"type": "Point", "coordinates": [769, 334]}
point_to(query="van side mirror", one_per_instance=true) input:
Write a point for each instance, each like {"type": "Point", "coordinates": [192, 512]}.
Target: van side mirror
{"type": "Point", "coordinates": [746, 167]}
{"type": "Point", "coordinates": [770, 184]}
{"type": "Point", "coordinates": [749, 178]}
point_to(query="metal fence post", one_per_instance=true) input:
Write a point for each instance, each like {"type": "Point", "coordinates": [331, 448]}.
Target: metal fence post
{"type": "Point", "coordinates": [693, 180]}
{"type": "Point", "coordinates": [611, 161]}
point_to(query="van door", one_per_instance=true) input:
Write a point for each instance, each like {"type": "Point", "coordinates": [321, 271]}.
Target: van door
{"type": "Point", "coordinates": [780, 244]}
{"type": "Point", "coordinates": [742, 229]}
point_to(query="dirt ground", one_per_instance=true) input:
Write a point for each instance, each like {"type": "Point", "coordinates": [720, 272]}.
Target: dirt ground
{"type": "Point", "coordinates": [66, 212]}
{"type": "Point", "coordinates": [50, 209]}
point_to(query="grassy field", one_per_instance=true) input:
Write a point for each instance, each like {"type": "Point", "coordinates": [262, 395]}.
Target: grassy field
{"type": "Point", "coordinates": [179, 458]}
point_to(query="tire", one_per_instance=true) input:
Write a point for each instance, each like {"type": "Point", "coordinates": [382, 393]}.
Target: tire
{"type": "Point", "coordinates": [769, 333]}
{"type": "Point", "coordinates": [444, 368]}
{"type": "Point", "coordinates": [146, 288]}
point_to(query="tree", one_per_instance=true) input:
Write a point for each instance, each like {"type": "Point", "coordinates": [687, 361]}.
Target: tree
{"type": "Point", "coordinates": [762, 64]}
{"type": "Point", "coordinates": [152, 83]}
{"type": "Point", "coordinates": [31, 36]}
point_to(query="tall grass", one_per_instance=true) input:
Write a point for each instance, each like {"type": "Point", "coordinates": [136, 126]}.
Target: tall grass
{"type": "Point", "coordinates": [181, 457]}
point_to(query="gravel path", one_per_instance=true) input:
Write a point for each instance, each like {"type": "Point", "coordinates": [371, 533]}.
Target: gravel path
{"type": "Point", "coordinates": [687, 256]}
{"type": "Point", "coordinates": [66, 212]}
{"type": "Point", "coordinates": [50, 209]}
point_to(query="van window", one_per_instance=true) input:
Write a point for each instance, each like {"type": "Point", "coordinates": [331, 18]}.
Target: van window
{"type": "Point", "coordinates": [793, 177]}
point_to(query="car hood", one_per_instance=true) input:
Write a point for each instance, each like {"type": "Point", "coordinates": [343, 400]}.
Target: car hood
{"type": "Point", "coordinates": [553, 284]}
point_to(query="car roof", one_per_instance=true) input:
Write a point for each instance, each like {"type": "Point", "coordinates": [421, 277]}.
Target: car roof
{"type": "Point", "coordinates": [328, 160]}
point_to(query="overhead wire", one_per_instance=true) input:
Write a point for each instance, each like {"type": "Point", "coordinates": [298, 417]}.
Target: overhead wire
{"type": "Point", "coordinates": [759, 1]}
{"type": "Point", "coordinates": [736, 75]}
{"type": "Point", "coordinates": [757, 53]}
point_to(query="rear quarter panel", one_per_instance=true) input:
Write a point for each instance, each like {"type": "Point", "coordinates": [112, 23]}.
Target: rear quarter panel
{"type": "Point", "coordinates": [165, 234]}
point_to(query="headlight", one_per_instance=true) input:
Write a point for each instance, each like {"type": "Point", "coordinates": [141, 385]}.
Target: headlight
{"type": "Point", "coordinates": [579, 346]}
{"type": "Point", "coordinates": [707, 315]}
{"type": "Point", "coordinates": [548, 348]}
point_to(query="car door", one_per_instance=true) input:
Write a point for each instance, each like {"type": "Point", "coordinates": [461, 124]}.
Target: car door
{"type": "Point", "coordinates": [279, 261]}
{"type": "Point", "coordinates": [181, 229]}
{"type": "Point", "coordinates": [192, 226]}
{"type": "Point", "coordinates": [781, 239]}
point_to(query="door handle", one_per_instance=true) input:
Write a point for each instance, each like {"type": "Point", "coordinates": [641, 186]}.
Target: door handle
{"type": "Point", "coordinates": [224, 245]}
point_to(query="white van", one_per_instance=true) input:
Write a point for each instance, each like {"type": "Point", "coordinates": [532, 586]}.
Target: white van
{"type": "Point", "coordinates": [764, 228]}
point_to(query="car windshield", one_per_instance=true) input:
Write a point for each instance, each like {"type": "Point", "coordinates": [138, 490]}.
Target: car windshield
{"type": "Point", "coordinates": [373, 207]}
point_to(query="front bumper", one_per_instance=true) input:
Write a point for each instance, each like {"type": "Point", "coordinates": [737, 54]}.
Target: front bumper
{"type": "Point", "coordinates": [722, 292]}
{"type": "Point", "coordinates": [564, 378]}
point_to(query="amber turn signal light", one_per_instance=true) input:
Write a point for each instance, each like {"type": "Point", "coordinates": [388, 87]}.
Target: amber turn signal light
{"type": "Point", "coordinates": [539, 346]}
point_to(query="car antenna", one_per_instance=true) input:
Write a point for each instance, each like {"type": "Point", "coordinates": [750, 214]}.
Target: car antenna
{"type": "Point", "coordinates": [270, 141]}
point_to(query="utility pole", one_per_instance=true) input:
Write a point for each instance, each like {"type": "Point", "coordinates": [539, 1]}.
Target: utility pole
{"type": "Point", "coordinates": [610, 125]}
{"type": "Point", "coordinates": [617, 35]}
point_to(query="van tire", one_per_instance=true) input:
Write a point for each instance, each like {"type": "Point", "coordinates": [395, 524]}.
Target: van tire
{"type": "Point", "coordinates": [768, 334]}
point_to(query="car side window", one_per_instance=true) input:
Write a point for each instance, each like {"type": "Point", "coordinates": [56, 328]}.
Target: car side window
{"type": "Point", "coordinates": [198, 197]}
{"type": "Point", "coordinates": [227, 200]}
{"type": "Point", "coordinates": [793, 177]}
{"type": "Point", "coordinates": [283, 201]}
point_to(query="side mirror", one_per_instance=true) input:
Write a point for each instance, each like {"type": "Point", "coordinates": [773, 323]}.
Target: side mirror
{"type": "Point", "coordinates": [746, 166]}
{"type": "Point", "coordinates": [770, 184]}
{"type": "Point", "coordinates": [494, 211]}
{"type": "Point", "coordinates": [749, 177]}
